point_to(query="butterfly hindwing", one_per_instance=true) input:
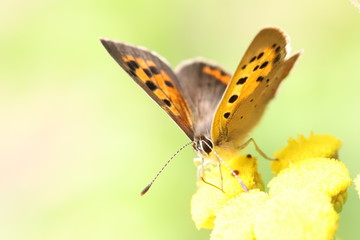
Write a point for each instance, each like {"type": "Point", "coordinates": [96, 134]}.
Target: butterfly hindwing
{"type": "Point", "coordinates": [152, 73]}
{"type": "Point", "coordinates": [203, 84]}
{"type": "Point", "coordinates": [253, 84]}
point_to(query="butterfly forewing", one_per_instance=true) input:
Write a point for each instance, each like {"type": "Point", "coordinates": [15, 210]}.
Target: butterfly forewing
{"type": "Point", "coordinates": [253, 84]}
{"type": "Point", "coordinates": [155, 77]}
{"type": "Point", "coordinates": [191, 95]}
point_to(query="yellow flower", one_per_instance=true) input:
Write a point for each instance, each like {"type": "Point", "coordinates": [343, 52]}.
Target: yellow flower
{"type": "Point", "coordinates": [208, 199]}
{"type": "Point", "coordinates": [302, 202]}
{"type": "Point", "coordinates": [236, 219]}
{"type": "Point", "coordinates": [297, 215]}
{"type": "Point", "coordinates": [328, 176]}
{"type": "Point", "coordinates": [325, 146]}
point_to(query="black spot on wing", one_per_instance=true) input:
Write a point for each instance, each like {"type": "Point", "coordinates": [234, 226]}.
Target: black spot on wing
{"type": "Point", "coordinates": [223, 73]}
{"type": "Point", "coordinates": [169, 84]}
{"type": "Point", "coordinates": [241, 80]}
{"type": "Point", "coordinates": [147, 72]}
{"type": "Point", "coordinates": [259, 79]}
{"type": "Point", "coordinates": [154, 70]}
{"type": "Point", "coordinates": [260, 55]}
{"type": "Point", "coordinates": [233, 98]}
{"type": "Point", "coordinates": [151, 85]}
{"type": "Point", "coordinates": [226, 115]}
{"type": "Point", "coordinates": [277, 58]}
{"type": "Point", "coordinates": [133, 65]}
{"type": "Point", "coordinates": [264, 65]}
{"type": "Point", "coordinates": [167, 102]}
{"type": "Point", "coordinates": [132, 73]}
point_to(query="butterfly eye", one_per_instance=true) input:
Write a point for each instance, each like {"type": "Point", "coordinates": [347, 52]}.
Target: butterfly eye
{"type": "Point", "coordinates": [206, 144]}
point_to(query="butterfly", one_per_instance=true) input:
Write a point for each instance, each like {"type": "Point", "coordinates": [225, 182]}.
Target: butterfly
{"type": "Point", "coordinates": [214, 109]}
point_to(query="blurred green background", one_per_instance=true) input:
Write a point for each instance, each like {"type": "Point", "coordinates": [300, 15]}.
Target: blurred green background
{"type": "Point", "coordinates": [79, 139]}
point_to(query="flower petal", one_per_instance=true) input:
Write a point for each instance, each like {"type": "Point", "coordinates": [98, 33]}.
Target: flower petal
{"type": "Point", "coordinates": [297, 215]}
{"type": "Point", "coordinates": [236, 219]}
{"type": "Point", "coordinates": [328, 176]}
{"type": "Point", "coordinates": [315, 146]}
{"type": "Point", "coordinates": [208, 199]}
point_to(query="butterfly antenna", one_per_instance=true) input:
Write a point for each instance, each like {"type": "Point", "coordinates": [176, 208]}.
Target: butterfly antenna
{"type": "Point", "coordinates": [228, 167]}
{"type": "Point", "coordinates": [146, 189]}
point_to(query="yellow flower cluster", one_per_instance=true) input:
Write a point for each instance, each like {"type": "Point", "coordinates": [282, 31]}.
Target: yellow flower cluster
{"type": "Point", "coordinates": [302, 202]}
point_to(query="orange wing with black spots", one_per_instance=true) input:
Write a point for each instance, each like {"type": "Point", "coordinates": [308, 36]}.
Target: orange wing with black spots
{"type": "Point", "coordinates": [217, 73]}
{"type": "Point", "coordinates": [253, 85]}
{"type": "Point", "coordinates": [156, 78]}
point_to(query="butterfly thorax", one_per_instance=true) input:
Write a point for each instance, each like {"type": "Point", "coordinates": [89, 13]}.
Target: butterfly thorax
{"type": "Point", "coordinates": [202, 146]}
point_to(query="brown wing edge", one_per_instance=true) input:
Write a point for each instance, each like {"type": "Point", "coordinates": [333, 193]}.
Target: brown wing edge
{"type": "Point", "coordinates": [113, 48]}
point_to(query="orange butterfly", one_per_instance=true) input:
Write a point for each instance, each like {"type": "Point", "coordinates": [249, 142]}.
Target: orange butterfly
{"type": "Point", "coordinates": [214, 109]}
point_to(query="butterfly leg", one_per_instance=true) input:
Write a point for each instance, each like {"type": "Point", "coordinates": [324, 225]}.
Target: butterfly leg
{"type": "Point", "coordinates": [244, 145]}
{"type": "Point", "coordinates": [221, 175]}
{"type": "Point", "coordinates": [220, 160]}
{"type": "Point", "coordinates": [202, 173]}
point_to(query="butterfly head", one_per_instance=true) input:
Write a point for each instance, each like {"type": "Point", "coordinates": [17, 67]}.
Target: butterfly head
{"type": "Point", "coordinates": [202, 146]}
